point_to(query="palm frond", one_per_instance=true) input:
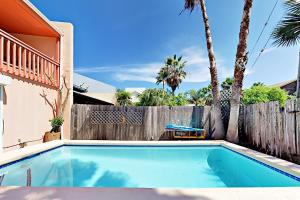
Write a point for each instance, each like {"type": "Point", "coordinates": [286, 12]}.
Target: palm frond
{"type": "Point", "coordinates": [191, 4]}
{"type": "Point", "coordinates": [287, 32]}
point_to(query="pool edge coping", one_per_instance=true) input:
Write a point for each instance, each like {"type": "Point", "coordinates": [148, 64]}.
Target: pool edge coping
{"type": "Point", "coordinates": [277, 163]}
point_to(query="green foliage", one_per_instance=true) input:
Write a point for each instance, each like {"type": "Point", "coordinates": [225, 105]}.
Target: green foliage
{"type": "Point", "coordinates": [159, 97]}
{"type": "Point", "coordinates": [56, 123]}
{"type": "Point", "coordinates": [278, 94]}
{"type": "Point", "coordinates": [258, 84]}
{"type": "Point", "coordinates": [226, 85]}
{"type": "Point", "coordinates": [178, 100]}
{"type": "Point", "coordinates": [287, 32]}
{"type": "Point", "coordinates": [162, 76]}
{"type": "Point", "coordinates": [172, 73]}
{"type": "Point", "coordinates": [256, 94]}
{"type": "Point", "coordinates": [263, 94]}
{"type": "Point", "coordinates": [201, 97]}
{"type": "Point", "coordinates": [123, 98]}
{"type": "Point", "coordinates": [152, 97]}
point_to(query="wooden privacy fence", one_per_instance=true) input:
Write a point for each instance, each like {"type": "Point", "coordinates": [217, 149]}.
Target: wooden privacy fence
{"type": "Point", "coordinates": [99, 122]}
{"type": "Point", "coordinates": [273, 129]}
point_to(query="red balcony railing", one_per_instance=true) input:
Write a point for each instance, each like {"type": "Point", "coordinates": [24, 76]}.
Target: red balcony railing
{"type": "Point", "coordinates": [20, 59]}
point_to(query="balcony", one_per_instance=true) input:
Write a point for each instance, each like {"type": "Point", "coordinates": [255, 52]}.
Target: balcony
{"type": "Point", "coordinates": [22, 61]}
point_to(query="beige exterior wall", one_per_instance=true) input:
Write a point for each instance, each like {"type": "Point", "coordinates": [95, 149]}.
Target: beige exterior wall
{"type": "Point", "coordinates": [46, 45]}
{"type": "Point", "coordinates": [67, 71]}
{"type": "Point", "coordinates": [26, 115]}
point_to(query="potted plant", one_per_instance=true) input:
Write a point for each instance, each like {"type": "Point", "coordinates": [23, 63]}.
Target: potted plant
{"type": "Point", "coordinates": [54, 134]}
{"type": "Point", "coordinates": [58, 107]}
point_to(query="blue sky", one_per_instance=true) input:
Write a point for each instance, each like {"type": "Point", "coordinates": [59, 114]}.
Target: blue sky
{"type": "Point", "coordinates": [124, 42]}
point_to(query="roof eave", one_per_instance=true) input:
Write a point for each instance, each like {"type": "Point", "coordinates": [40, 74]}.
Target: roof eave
{"type": "Point", "coordinates": [31, 6]}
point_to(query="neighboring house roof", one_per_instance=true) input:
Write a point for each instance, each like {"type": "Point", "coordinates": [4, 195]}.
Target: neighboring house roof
{"type": "Point", "coordinates": [282, 84]}
{"type": "Point", "coordinates": [290, 86]}
{"type": "Point", "coordinates": [94, 89]}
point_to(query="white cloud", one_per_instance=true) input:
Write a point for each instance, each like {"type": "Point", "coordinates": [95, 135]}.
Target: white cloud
{"type": "Point", "coordinates": [144, 72]}
{"type": "Point", "coordinates": [268, 50]}
{"type": "Point", "coordinates": [249, 71]}
{"type": "Point", "coordinates": [197, 68]}
{"type": "Point", "coordinates": [134, 72]}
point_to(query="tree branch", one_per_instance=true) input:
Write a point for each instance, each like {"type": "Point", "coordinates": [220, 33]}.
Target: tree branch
{"type": "Point", "coordinates": [54, 112]}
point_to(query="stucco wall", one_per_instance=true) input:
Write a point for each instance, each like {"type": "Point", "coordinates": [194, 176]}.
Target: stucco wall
{"type": "Point", "coordinates": [67, 70]}
{"type": "Point", "coordinates": [26, 115]}
{"type": "Point", "coordinates": [46, 45]}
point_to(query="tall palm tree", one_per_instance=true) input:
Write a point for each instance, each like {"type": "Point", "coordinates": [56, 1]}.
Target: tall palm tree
{"type": "Point", "coordinates": [162, 76]}
{"type": "Point", "coordinates": [219, 132]}
{"type": "Point", "coordinates": [175, 70]}
{"type": "Point", "coordinates": [287, 32]}
{"type": "Point", "coordinates": [239, 71]}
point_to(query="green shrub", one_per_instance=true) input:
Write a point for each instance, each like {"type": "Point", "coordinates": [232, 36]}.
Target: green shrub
{"type": "Point", "coordinates": [178, 100]}
{"type": "Point", "coordinates": [200, 97]}
{"type": "Point", "coordinates": [263, 94]}
{"type": "Point", "coordinates": [123, 98]}
{"type": "Point", "coordinates": [153, 97]}
{"type": "Point", "coordinates": [278, 94]}
{"type": "Point", "coordinates": [56, 123]}
{"type": "Point", "coordinates": [227, 83]}
{"type": "Point", "coordinates": [159, 97]}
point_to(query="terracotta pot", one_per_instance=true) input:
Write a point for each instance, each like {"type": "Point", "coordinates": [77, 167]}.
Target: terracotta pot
{"type": "Point", "coordinates": [51, 136]}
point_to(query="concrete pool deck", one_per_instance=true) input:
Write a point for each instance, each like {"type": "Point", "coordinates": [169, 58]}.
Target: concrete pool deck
{"type": "Point", "coordinates": [287, 193]}
{"type": "Point", "coordinates": [149, 194]}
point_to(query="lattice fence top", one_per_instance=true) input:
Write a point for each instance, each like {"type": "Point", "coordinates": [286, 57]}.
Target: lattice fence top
{"type": "Point", "coordinates": [225, 95]}
{"type": "Point", "coordinates": [116, 117]}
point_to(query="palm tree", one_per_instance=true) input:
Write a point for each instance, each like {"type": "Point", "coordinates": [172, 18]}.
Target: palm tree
{"type": "Point", "coordinates": [123, 98]}
{"type": "Point", "coordinates": [219, 132]}
{"type": "Point", "coordinates": [196, 98]}
{"type": "Point", "coordinates": [239, 71]}
{"type": "Point", "coordinates": [175, 70]}
{"type": "Point", "coordinates": [201, 97]}
{"type": "Point", "coordinates": [287, 32]}
{"type": "Point", "coordinates": [162, 76]}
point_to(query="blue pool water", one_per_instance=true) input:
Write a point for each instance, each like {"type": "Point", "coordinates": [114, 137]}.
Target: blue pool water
{"type": "Point", "coordinates": [144, 167]}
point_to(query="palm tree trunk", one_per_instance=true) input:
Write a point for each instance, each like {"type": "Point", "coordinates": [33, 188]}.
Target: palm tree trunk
{"type": "Point", "coordinates": [173, 88]}
{"type": "Point", "coordinates": [239, 70]}
{"type": "Point", "coordinates": [298, 80]}
{"type": "Point", "coordinates": [218, 129]}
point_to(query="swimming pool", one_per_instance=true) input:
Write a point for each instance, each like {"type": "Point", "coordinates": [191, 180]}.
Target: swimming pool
{"type": "Point", "coordinates": [209, 166]}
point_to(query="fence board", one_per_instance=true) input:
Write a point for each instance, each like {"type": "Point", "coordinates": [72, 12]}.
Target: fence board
{"type": "Point", "coordinates": [153, 123]}
{"type": "Point", "coordinates": [273, 129]}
